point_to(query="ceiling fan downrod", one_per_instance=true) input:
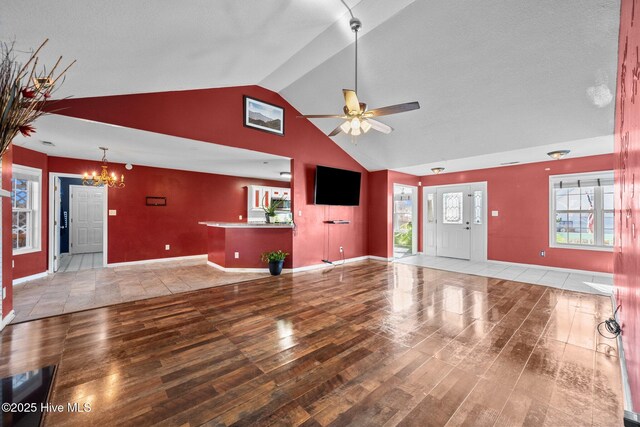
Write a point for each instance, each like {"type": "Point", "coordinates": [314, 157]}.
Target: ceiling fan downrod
{"type": "Point", "coordinates": [355, 27]}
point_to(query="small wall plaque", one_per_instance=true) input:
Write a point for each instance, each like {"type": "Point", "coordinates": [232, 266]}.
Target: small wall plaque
{"type": "Point", "coordinates": [156, 201]}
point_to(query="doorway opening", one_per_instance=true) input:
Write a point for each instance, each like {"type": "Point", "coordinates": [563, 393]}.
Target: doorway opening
{"type": "Point", "coordinates": [78, 238]}
{"type": "Point", "coordinates": [405, 215]}
{"type": "Point", "coordinates": [455, 221]}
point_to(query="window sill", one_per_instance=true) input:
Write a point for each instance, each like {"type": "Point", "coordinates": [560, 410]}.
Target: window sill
{"type": "Point", "coordinates": [583, 248]}
{"type": "Point", "coordinates": [26, 251]}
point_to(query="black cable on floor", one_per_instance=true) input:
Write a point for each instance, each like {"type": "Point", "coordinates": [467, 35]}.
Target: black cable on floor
{"type": "Point", "coordinates": [611, 325]}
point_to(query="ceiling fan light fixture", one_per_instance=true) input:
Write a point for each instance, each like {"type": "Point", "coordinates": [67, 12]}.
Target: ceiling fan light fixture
{"type": "Point", "coordinates": [365, 126]}
{"type": "Point", "coordinates": [355, 123]}
{"type": "Point", "coordinates": [558, 154]}
{"type": "Point", "coordinates": [437, 170]}
{"type": "Point", "coordinates": [346, 127]}
{"type": "Point", "coordinates": [355, 132]}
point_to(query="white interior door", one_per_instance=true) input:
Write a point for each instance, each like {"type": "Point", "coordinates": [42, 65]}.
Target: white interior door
{"type": "Point", "coordinates": [454, 229]}
{"type": "Point", "coordinates": [56, 220]}
{"type": "Point", "coordinates": [86, 219]}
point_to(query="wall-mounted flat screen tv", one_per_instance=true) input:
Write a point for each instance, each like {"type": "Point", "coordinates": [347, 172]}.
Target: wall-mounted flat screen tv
{"type": "Point", "coordinates": [337, 187]}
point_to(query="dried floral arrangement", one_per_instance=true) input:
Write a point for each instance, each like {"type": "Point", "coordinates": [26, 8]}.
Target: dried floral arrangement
{"type": "Point", "coordinates": [23, 92]}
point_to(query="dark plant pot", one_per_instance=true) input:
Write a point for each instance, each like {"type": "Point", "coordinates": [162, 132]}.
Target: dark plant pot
{"type": "Point", "coordinates": [268, 217]}
{"type": "Point", "coordinates": [275, 267]}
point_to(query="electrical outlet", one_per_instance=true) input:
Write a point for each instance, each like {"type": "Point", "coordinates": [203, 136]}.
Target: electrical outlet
{"type": "Point", "coordinates": [341, 249]}
{"type": "Point", "coordinates": [236, 255]}
{"type": "Point", "coordinates": [299, 213]}
{"type": "Point", "coordinates": [542, 253]}
{"type": "Point", "coordinates": [167, 247]}
{"type": "Point", "coordinates": [240, 217]}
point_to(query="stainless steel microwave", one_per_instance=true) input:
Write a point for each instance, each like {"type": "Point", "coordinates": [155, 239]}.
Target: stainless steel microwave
{"type": "Point", "coordinates": [285, 204]}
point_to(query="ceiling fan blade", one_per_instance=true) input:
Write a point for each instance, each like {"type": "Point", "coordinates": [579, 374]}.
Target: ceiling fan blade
{"type": "Point", "coordinates": [379, 126]}
{"type": "Point", "coordinates": [335, 131]}
{"type": "Point", "coordinates": [351, 100]}
{"type": "Point", "coordinates": [393, 109]}
{"type": "Point", "coordinates": [323, 116]}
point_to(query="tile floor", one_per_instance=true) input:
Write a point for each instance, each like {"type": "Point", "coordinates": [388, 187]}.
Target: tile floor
{"type": "Point", "coordinates": [70, 291]}
{"type": "Point", "coordinates": [600, 284]}
{"type": "Point", "coordinates": [77, 262]}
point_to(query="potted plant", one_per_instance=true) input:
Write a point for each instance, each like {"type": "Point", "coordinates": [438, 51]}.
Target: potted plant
{"type": "Point", "coordinates": [275, 260]}
{"type": "Point", "coordinates": [270, 210]}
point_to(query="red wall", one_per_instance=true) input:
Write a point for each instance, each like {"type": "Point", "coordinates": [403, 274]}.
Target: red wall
{"type": "Point", "coordinates": [215, 115]}
{"type": "Point", "coordinates": [521, 196]}
{"type": "Point", "coordinates": [627, 171]}
{"type": "Point", "coordinates": [249, 243]}
{"type": "Point", "coordinates": [7, 241]}
{"type": "Point", "coordinates": [379, 221]}
{"type": "Point", "coordinates": [35, 262]}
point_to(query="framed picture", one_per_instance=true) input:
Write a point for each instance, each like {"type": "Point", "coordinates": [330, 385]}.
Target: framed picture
{"type": "Point", "coordinates": [263, 116]}
{"type": "Point", "coordinates": [156, 201]}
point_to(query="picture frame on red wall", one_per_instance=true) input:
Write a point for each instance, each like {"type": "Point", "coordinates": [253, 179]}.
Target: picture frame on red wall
{"type": "Point", "coordinates": [263, 116]}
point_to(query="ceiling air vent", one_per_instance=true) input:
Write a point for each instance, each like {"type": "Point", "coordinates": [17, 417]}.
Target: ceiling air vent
{"type": "Point", "coordinates": [48, 143]}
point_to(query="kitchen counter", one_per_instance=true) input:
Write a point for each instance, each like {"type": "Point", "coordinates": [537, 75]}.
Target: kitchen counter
{"type": "Point", "coordinates": [245, 224]}
{"type": "Point", "coordinates": [237, 246]}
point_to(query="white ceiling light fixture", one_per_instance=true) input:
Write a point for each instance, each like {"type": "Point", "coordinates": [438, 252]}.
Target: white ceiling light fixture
{"type": "Point", "coordinates": [558, 154]}
{"type": "Point", "coordinates": [437, 170]}
{"type": "Point", "coordinates": [286, 175]}
{"type": "Point", "coordinates": [358, 120]}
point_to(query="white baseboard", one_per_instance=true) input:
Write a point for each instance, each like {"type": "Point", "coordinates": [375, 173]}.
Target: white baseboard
{"type": "Point", "coordinates": [241, 270]}
{"type": "Point", "coordinates": [287, 270]}
{"type": "Point", "coordinates": [8, 318]}
{"type": "Point", "coordinates": [325, 265]}
{"type": "Point", "coordinates": [151, 261]}
{"type": "Point", "coordinates": [21, 280]}
{"type": "Point", "coordinates": [629, 411]}
{"type": "Point", "coordinates": [559, 269]}
{"type": "Point", "coordinates": [379, 258]}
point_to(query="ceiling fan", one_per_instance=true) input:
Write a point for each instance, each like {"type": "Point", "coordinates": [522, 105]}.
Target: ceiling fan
{"type": "Point", "coordinates": [357, 119]}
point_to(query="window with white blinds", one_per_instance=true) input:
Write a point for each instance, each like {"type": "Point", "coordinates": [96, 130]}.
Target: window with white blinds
{"type": "Point", "coordinates": [26, 210]}
{"type": "Point", "coordinates": [582, 210]}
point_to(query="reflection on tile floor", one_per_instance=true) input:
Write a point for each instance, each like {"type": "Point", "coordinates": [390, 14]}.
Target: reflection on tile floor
{"type": "Point", "coordinates": [80, 290]}
{"type": "Point", "coordinates": [600, 284]}
{"type": "Point", "coordinates": [77, 262]}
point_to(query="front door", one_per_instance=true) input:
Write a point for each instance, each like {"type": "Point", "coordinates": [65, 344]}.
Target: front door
{"type": "Point", "coordinates": [86, 219]}
{"type": "Point", "coordinates": [56, 221]}
{"type": "Point", "coordinates": [453, 224]}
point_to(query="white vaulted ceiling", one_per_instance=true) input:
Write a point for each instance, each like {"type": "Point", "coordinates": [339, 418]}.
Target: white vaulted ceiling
{"type": "Point", "coordinates": [492, 77]}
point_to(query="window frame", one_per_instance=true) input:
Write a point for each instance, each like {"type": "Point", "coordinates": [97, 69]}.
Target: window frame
{"type": "Point", "coordinates": [598, 212]}
{"type": "Point", "coordinates": [34, 228]}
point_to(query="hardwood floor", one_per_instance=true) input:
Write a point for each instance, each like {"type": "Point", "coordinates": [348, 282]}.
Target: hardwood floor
{"type": "Point", "coordinates": [364, 344]}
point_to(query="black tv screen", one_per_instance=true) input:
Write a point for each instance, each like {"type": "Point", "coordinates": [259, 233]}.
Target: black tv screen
{"type": "Point", "coordinates": [337, 187]}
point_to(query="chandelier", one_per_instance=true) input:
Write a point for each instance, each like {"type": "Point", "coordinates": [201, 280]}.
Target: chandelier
{"type": "Point", "coordinates": [105, 178]}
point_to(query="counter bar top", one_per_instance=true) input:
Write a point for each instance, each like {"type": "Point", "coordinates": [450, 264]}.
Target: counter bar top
{"type": "Point", "coordinates": [244, 224]}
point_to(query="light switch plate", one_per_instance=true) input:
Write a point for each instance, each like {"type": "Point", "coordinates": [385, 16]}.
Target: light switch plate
{"type": "Point", "coordinates": [240, 217]}
{"type": "Point", "coordinates": [167, 247]}
{"type": "Point", "coordinates": [494, 213]}
{"type": "Point", "coordinates": [236, 255]}
{"type": "Point", "coordinates": [112, 212]}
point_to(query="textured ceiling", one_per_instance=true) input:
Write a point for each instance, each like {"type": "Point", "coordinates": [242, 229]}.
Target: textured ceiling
{"type": "Point", "coordinates": [492, 77]}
